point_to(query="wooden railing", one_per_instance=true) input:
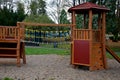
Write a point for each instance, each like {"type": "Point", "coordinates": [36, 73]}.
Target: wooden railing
{"type": "Point", "coordinates": [96, 35]}
{"type": "Point", "coordinates": [84, 34]}
{"type": "Point", "coordinates": [11, 33]}
{"type": "Point", "coordinates": [81, 34]}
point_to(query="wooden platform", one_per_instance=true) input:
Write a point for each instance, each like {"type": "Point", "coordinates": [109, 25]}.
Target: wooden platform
{"type": "Point", "coordinates": [11, 45]}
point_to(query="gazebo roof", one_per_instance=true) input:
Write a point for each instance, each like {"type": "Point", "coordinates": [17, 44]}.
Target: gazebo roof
{"type": "Point", "coordinates": [85, 7]}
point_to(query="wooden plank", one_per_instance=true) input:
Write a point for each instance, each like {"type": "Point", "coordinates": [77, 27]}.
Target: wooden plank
{"type": "Point", "coordinates": [113, 54]}
{"type": "Point", "coordinates": [90, 43]}
{"type": "Point", "coordinates": [2, 55]}
{"type": "Point", "coordinates": [42, 25]}
{"type": "Point", "coordinates": [8, 48]}
{"type": "Point", "coordinates": [81, 52]}
{"type": "Point", "coordinates": [104, 39]}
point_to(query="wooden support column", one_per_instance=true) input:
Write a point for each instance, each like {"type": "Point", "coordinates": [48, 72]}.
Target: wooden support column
{"type": "Point", "coordinates": [73, 24]}
{"type": "Point", "coordinates": [72, 36]}
{"type": "Point", "coordinates": [18, 45]}
{"type": "Point", "coordinates": [103, 38]}
{"type": "Point", "coordinates": [90, 43]}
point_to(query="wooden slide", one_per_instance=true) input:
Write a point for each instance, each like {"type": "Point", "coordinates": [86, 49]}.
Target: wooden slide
{"type": "Point", "coordinates": [113, 53]}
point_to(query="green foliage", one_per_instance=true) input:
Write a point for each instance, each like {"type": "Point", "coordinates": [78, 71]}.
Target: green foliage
{"type": "Point", "coordinates": [9, 16]}
{"type": "Point", "coordinates": [63, 20]}
{"type": "Point", "coordinates": [79, 20]}
{"type": "Point", "coordinates": [63, 17]}
{"type": "Point", "coordinates": [37, 7]}
{"type": "Point", "coordinates": [112, 20]}
{"type": "Point", "coordinates": [38, 19]}
{"type": "Point", "coordinates": [20, 12]}
{"type": "Point", "coordinates": [6, 78]}
{"type": "Point", "coordinates": [43, 18]}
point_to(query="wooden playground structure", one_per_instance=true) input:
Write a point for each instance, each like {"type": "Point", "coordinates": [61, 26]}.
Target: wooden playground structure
{"type": "Point", "coordinates": [88, 47]}
{"type": "Point", "coordinates": [11, 44]}
{"type": "Point", "coordinates": [88, 42]}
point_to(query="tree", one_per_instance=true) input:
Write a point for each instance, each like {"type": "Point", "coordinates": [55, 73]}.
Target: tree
{"type": "Point", "coordinates": [63, 20]}
{"type": "Point", "coordinates": [33, 8]}
{"type": "Point", "coordinates": [63, 17]}
{"type": "Point", "coordinates": [37, 7]}
{"type": "Point", "coordinates": [76, 2]}
{"type": "Point", "coordinates": [112, 19]}
{"type": "Point", "coordinates": [9, 15]}
{"type": "Point", "coordinates": [39, 19]}
{"type": "Point", "coordinates": [55, 8]}
{"type": "Point", "coordinates": [20, 12]}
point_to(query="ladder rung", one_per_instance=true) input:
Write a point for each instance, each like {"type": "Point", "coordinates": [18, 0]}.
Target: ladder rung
{"type": "Point", "coordinates": [8, 48]}
{"type": "Point", "coordinates": [8, 55]}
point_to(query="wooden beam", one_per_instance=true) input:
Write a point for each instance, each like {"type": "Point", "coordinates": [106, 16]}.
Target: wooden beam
{"type": "Point", "coordinates": [72, 36]}
{"type": "Point", "coordinates": [104, 39]}
{"type": "Point", "coordinates": [42, 25]}
{"type": "Point", "coordinates": [90, 43]}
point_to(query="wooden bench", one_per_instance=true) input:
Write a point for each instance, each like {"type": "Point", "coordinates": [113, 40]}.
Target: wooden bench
{"type": "Point", "coordinates": [11, 43]}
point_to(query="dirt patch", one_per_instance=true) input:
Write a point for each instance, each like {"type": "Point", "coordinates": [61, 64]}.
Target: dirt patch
{"type": "Point", "coordinates": [56, 67]}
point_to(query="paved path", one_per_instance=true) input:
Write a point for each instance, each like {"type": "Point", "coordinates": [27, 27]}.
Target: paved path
{"type": "Point", "coordinates": [55, 67]}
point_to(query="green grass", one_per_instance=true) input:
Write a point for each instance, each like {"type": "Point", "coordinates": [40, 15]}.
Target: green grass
{"type": "Point", "coordinates": [42, 50]}
{"type": "Point", "coordinates": [110, 56]}
{"type": "Point", "coordinates": [63, 49]}
{"type": "Point", "coordinates": [116, 49]}
{"type": "Point", "coordinates": [64, 45]}
{"type": "Point", "coordinates": [6, 78]}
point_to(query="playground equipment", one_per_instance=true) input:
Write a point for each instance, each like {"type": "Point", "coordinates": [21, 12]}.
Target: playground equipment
{"type": "Point", "coordinates": [88, 46]}
{"type": "Point", "coordinates": [36, 33]}
{"type": "Point", "coordinates": [88, 42]}
{"type": "Point", "coordinates": [11, 44]}
{"type": "Point", "coordinates": [41, 36]}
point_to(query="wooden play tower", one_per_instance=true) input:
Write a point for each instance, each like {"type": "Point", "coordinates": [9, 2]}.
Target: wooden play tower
{"type": "Point", "coordinates": [88, 42]}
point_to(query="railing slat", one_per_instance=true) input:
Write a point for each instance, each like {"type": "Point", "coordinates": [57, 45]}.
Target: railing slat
{"type": "Point", "coordinates": [9, 32]}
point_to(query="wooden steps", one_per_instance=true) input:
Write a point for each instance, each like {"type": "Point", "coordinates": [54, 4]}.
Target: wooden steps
{"type": "Point", "coordinates": [8, 48]}
{"type": "Point", "coordinates": [10, 43]}
{"type": "Point", "coordinates": [7, 55]}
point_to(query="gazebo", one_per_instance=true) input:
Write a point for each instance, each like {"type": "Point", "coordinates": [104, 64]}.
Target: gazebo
{"type": "Point", "coordinates": [88, 41]}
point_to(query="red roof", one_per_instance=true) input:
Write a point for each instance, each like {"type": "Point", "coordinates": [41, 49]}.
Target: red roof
{"type": "Point", "coordinates": [85, 7]}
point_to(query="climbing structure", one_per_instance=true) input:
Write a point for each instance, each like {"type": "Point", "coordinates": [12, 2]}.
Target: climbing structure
{"type": "Point", "coordinates": [11, 43]}
{"type": "Point", "coordinates": [88, 38]}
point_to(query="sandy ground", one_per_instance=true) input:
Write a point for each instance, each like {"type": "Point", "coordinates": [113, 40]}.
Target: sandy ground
{"type": "Point", "coordinates": [55, 67]}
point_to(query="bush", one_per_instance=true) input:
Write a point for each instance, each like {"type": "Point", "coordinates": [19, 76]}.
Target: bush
{"type": "Point", "coordinates": [6, 78]}
{"type": "Point", "coordinates": [111, 38]}
{"type": "Point", "coordinates": [114, 39]}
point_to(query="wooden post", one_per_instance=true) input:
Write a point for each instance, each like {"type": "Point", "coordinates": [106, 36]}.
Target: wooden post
{"type": "Point", "coordinates": [72, 35]}
{"type": "Point", "coordinates": [103, 38]}
{"type": "Point", "coordinates": [18, 45]}
{"type": "Point", "coordinates": [90, 43]}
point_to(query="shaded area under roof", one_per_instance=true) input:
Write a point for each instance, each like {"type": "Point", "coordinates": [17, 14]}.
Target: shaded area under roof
{"type": "Point", "coordinates": [85, 7]}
